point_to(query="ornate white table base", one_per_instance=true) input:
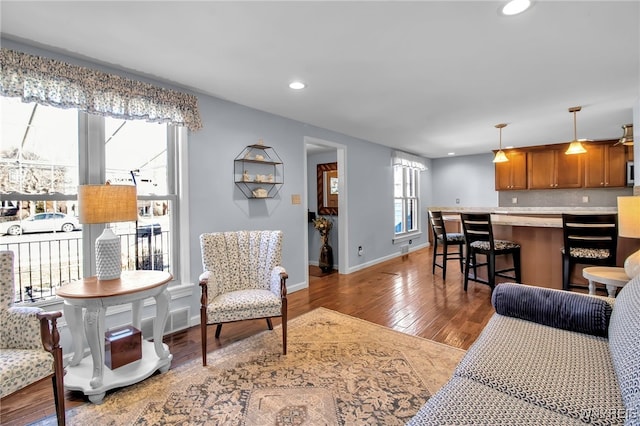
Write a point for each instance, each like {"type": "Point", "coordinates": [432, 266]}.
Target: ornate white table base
{"type": "Point", "coordinates": [609, 276]}
{"type": "Point", "coordinates": [89, 374]}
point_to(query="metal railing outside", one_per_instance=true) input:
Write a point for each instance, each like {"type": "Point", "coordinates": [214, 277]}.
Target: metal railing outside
{"type": "Point", "coordinates": [42, 266]}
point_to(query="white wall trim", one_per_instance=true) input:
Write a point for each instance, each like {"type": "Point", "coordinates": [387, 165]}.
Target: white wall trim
{"type": "Point", "coordinates": [383, 259]}
{"type": "Point", "coordinates": [343, 216]}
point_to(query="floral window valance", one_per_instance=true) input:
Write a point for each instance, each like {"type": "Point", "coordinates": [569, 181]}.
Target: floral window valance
{"type": "Point", "coordinates": [56, 83]}
{"type": "Point", "coordinates": [399, 158]}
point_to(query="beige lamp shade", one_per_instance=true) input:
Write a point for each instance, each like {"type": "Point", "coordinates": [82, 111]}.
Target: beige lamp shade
{"type": "Point", "coordinates": [629, 216]}
{"type": "Point", "coordinates": [107, 203]}
{"type": "Point", "coordinates": [629, 227]}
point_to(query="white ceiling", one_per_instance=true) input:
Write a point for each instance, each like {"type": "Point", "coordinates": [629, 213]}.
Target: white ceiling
{"type": "Point", "coordinates": [428, 77]}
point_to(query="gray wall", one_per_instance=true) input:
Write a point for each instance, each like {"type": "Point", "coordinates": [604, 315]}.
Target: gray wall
{"type": "Point", "coordinates": [469, 179]}
{"type": "Point", "coordinates": [217, 205]}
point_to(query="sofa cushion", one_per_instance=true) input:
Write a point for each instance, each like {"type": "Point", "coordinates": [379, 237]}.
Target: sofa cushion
{"type": "Point", "coordinates": [556, 308]}
{"type": "Point", "coordinates": [624, 344]}
{"type": "Point", "coordinates": [465, 402]}
{"type": "Point", "coordinates": [566, 372]}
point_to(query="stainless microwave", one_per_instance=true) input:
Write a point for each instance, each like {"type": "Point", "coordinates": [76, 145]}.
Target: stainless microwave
{"type": "Point", "coordinates": [630, 173]}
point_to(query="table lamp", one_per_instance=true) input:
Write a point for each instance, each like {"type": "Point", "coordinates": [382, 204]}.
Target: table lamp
{"type": "Point", "coordinates": [107, 204]}
{"type": "Point", "coordinates": [629, 227]}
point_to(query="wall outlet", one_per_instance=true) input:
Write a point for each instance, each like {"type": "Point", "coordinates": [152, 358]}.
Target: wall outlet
{"type": "Point", "coordinates": [457, 200]}
{"type": "Point", "coordinates": [585, 198]}
{"type": "Point", "coordinates": [514, 200]}
{"type": "Point", "coordinates": [360, 251]}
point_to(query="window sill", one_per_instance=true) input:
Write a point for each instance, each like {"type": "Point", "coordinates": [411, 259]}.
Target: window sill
{"type": "Point", "coordinates": [399, 239]}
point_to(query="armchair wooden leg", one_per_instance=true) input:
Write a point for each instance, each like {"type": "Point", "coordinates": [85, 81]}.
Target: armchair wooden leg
{"type": "Point", "coordinates": [203, 339]}
{"type": "Point", "coordinates": [269, 324]}
{"type": "Point", "coordinates": [284, 327]}
{"type": "Point", "coordinates": [218, 330]}
{"type": "Point", "coordinates": [51, 342]}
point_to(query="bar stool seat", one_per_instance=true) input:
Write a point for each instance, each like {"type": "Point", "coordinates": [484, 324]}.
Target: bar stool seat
{"type": "Point", "coordinates": [499, 245]}
{"type": "Point", "coordinates": [478, 233]}
{"type": "Point", "coordinates": [446, 240]}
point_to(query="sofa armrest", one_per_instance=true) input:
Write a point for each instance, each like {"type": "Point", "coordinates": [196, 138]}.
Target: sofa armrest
{"type": "Point", "coordinates": [556, 308]}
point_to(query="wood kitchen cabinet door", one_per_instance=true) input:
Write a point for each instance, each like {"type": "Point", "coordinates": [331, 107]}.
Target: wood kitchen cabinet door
{"type": "Point", "coordinates": [553, 169]}
{"type": "Point", "coordinates": [605, 166]}
{"type": "Point", "coordinates": [569, 170]}
{"type": "Point", "coordinates": [541, 169]}
{"type": "Point", "coordinates": [512, 175]}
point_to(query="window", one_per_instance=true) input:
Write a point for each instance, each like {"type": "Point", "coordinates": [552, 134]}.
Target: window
{"type": "Point", "coordinates": [406, 210]}
{"type": "Point", "coordinates": [46, 153]}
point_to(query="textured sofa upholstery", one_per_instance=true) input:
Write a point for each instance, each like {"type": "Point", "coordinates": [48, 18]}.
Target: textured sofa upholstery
{"type": "Point", "coordinates": [576, 363]}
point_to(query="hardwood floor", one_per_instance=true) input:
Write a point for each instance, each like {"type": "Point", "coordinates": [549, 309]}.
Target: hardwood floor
{"type": "Point", "coordinates": [401, 294]}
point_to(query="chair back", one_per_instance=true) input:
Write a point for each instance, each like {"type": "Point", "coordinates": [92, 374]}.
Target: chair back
{"type": "Point", "coordinates": [437, 225]}
{"type": "Point", "coordinates": [591, 236]}
{"type": "Point", "coordinates": [240, 260]}
{"type": "Point", "coordinates": [477, 227]}
{"type": "Point", "coordinates": [7, 288]}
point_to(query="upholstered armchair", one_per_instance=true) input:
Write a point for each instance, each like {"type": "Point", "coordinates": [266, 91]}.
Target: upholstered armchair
{"type": "Point", "coordinates": [29, 342]}
{"type": "Point", "coordinates": [242, 280]}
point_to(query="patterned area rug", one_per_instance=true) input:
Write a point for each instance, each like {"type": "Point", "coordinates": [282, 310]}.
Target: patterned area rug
{"type": "Point", "coordinates": [339, 370]}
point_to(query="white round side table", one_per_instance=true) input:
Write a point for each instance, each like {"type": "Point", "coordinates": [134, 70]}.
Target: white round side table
{"type": "Point", "coordinates": [611, 277]}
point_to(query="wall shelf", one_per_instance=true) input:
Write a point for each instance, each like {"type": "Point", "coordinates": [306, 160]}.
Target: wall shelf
{"type": "Point", "coordinates": [258, 172]}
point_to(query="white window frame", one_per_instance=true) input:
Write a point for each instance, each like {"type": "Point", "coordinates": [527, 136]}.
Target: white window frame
{"type": "Point", "coordinates": [410, 193]}
{"type": "Point", "coordinates": [92, 170]}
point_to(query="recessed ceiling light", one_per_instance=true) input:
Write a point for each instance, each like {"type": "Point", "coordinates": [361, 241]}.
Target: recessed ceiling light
{"type": "Point", "coordinates": [451, 153]}
{"type": "Point", "coordinates": [516, 6]}
{"type": "Point", "coordinates": [297, 85]}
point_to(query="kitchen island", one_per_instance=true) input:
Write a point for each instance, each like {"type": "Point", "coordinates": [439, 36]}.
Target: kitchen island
{"type": "Point", "coordinates": [538, 230]}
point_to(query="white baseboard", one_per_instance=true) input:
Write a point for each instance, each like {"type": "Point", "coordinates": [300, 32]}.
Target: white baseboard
{"type": "Point", "coordinates": [383, 259]}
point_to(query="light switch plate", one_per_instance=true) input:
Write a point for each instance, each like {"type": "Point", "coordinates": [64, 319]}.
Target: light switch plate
{"type": "Point", "coordinates": [295, 198]}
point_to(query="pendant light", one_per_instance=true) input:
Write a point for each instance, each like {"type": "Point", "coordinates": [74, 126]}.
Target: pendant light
{"type": "Point", "coordinates": [575, 147]}
{"type": "Point", "coordinates": [627, 137]}
{"type": "Point", "coordinates": [500, 155]}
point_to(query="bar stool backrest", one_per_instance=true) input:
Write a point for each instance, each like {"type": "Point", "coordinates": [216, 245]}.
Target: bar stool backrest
{"type": "Point", "coordinates": [477, 227]}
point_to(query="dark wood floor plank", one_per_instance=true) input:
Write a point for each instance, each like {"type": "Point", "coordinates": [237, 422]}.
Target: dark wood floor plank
{"type": "Point", "coordinates": [401, 294]}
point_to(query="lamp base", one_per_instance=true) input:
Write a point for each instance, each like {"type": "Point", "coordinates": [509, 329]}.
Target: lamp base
{"type": "Point", "coordinates": [108, 260]}
{"type": "Point", "coordinates": [632, 265]}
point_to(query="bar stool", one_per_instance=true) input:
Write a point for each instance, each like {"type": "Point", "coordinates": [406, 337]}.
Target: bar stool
{"type": "Point", "coordinates": [589, 239]}
{"type": "Point", "coordinates": [478, 233]}
{"type": "Point", "coordinates": [446, 239]}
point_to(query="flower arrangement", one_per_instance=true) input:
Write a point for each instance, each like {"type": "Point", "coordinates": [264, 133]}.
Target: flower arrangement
{"type": "Point", "coordinates": [323, 225]}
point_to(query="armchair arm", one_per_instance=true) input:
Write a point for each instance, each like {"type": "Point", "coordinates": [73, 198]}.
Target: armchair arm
{"type": "Point", "coordinates": [49, 330]}
{"type": "Point", "coordinates": [556, 308]}
{"type": "Point", "coordinates": [208, 286]}
{"type": "Point", "coordinates": [278, 284]}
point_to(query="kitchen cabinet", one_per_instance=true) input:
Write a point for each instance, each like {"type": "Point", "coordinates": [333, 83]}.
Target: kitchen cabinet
{"type": "Point", "coordinates": [552, 169]}
{"type": "Point", "coordinates": [605, 166]}
{"type": "Point", "coordinates": [512, 175]}
{"type": "Point", "coordinates": [258, 171]}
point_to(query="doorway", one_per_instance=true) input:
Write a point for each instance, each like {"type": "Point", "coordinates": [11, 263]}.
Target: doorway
{"type": "Point", "coordinates": [318, 151]}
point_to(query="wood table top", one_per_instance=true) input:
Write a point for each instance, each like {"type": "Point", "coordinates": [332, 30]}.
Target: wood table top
{"type": "Point", "coordinates": [128, 283]}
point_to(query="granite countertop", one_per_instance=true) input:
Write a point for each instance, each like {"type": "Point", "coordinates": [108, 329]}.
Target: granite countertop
{"type": "Point", "coordinates": [543, 217]}
{"type": "Point", "coordinates": [526, 210]}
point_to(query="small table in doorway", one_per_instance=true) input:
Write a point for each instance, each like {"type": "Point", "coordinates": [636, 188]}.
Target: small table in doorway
{"type": "Point", "coordinates": [609, 276]}
{"type": "Point", "coordinates": [86, 301]}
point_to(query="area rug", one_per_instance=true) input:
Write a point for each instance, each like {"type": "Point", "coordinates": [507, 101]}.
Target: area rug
{"type": "Point", "coordinates": [339, 370]}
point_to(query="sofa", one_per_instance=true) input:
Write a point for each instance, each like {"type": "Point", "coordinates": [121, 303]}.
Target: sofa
{"type": "Point", "coordinates": [547, 357]}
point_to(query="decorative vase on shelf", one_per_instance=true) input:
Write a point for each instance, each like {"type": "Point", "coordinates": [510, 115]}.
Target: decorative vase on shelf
{"type": "Point", "coordinates": [326, 255]}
